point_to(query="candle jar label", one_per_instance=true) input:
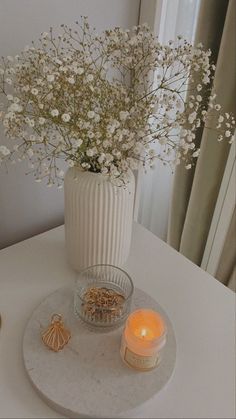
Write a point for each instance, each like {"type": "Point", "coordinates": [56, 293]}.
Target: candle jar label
{"type": "Point", "coordinates": [140, 362]}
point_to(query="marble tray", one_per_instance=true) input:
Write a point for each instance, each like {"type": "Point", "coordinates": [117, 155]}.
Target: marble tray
{"type": "Point", "coordinates": [88, 377]}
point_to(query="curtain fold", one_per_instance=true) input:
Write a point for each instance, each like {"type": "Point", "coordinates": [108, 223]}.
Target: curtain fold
{"type": "Point", "coordinates": [227, 264]}
{"type": "Point", "coordinates": [209, 31]}
{"type": "Point", "coordinates": [167, 19]}
{"type": "Point", "coordinates": [232, 280]}
{"type": "Point", "coordinates": [195, 192]}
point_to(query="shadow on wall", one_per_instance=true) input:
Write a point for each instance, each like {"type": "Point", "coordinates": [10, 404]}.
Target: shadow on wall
{"type": "Point", "coordinates": [26, 208]}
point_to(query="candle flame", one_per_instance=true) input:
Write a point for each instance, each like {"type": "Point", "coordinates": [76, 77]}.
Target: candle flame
{"type": "Point", "coordinates": [143, 333]}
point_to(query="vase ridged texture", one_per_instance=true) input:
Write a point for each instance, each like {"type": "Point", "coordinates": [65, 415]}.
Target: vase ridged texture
{"type": "Point", "coordinates": [98, 219]}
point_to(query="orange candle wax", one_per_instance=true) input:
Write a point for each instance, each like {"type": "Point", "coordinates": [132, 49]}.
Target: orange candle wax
{"type": "Point", "coordinates": [143, 339]}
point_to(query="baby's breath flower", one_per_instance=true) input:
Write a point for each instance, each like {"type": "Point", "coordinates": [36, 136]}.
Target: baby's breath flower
{"type": "Point", "coordinates": [42, 120]}
{"type": "Point", "coordinates": [54, 112]}
{"type": "Point", "coordinates": [29, 122]}
{"type": "Point", "coordinates": [101, 158]}
{"type": "Point", "coordinates": [196, 153]}
{"type": "Point", "coordinates": [79, 70]}
{"type": "Point", "coordinates": [50, 77]}
{"type": "Point", "coordinates": [65, 117]}
{"type": "Point", "coordinates": [106, 143]}
{"type": "Point", "coordinates": [4, 150]}
{"type": "Point", "coordinates": [85, 166]}
{"type": "Point", "coordinates": [123, 115]}
{"type": "Point", "coordinates": [78, 143]}
{"type": "Point", "coordinates": [103, 123]}
{"type": "Point", "coordinates": [71, 80]}
{"type": "Point", "coordinates": [91, 152]}
{"type": "Point", "coordinates": [104, 170]}
{"type": "Point", "coordinates": [90, 134]}
{"type": "Point", "coordinates": [91, 114]}
{"type": "Point", "coordinates": [192, 117]}
{"type": "Point", "coordinates": [34, 91]}
{"type": "Point", "coordinates": [89, 78]}
{"type": "Point", "coordinates": [15, 107]}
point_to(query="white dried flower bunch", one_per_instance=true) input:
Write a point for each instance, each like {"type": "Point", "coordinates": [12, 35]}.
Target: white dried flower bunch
{"type": "Point", "coordinates": [102, 102]}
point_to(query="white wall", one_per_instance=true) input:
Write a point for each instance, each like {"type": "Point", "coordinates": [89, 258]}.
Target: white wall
{"type": "Point", "coordinates": [27, 208]}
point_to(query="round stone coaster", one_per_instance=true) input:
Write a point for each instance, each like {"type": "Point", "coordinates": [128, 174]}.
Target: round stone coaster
{"type": "Point", "coordinates": [88, 377]}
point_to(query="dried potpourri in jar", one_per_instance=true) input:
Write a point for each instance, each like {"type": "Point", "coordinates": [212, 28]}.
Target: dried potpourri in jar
{"type": "Point", "coordinates": [102, 303]}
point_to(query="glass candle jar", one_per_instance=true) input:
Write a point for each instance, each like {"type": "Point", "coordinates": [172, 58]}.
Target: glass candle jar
{"type": "Point", "coordinates": [143, 340]}
{"type": "Point", "coordinates": [103, 295]}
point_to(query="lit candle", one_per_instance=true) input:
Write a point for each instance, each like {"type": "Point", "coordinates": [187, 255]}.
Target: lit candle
{"type": "Point", "coordinates": [143, 339]}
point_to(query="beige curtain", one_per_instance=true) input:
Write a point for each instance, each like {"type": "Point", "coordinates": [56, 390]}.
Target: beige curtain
{"type": "Point", "coordinates": [195, 192]}
{"type": "Point", "coordinates": [227, 264]}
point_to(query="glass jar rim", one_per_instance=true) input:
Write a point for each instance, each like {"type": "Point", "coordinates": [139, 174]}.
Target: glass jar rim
{"type": "Point", "coordinates": [109, 266]}
{"type": "Point", "coordinates": [153, 341]}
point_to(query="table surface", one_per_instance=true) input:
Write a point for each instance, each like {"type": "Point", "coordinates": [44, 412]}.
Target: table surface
{"type": "Point", "coordinates": [201, 309]}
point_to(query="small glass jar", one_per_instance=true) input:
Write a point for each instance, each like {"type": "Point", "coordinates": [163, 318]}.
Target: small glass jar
{"type": "Point", "coordinates": [143, 340]}
{"type": "Point", "coordinates": [103, 295]}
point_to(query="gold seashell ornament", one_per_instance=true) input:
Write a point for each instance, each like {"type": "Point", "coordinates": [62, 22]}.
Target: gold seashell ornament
{"type": "Point", "coordinates": [56, 336]}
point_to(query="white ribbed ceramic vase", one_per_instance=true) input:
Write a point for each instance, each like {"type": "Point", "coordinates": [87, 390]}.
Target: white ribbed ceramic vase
{"type": "Point", "coordinates": [98, 219]}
